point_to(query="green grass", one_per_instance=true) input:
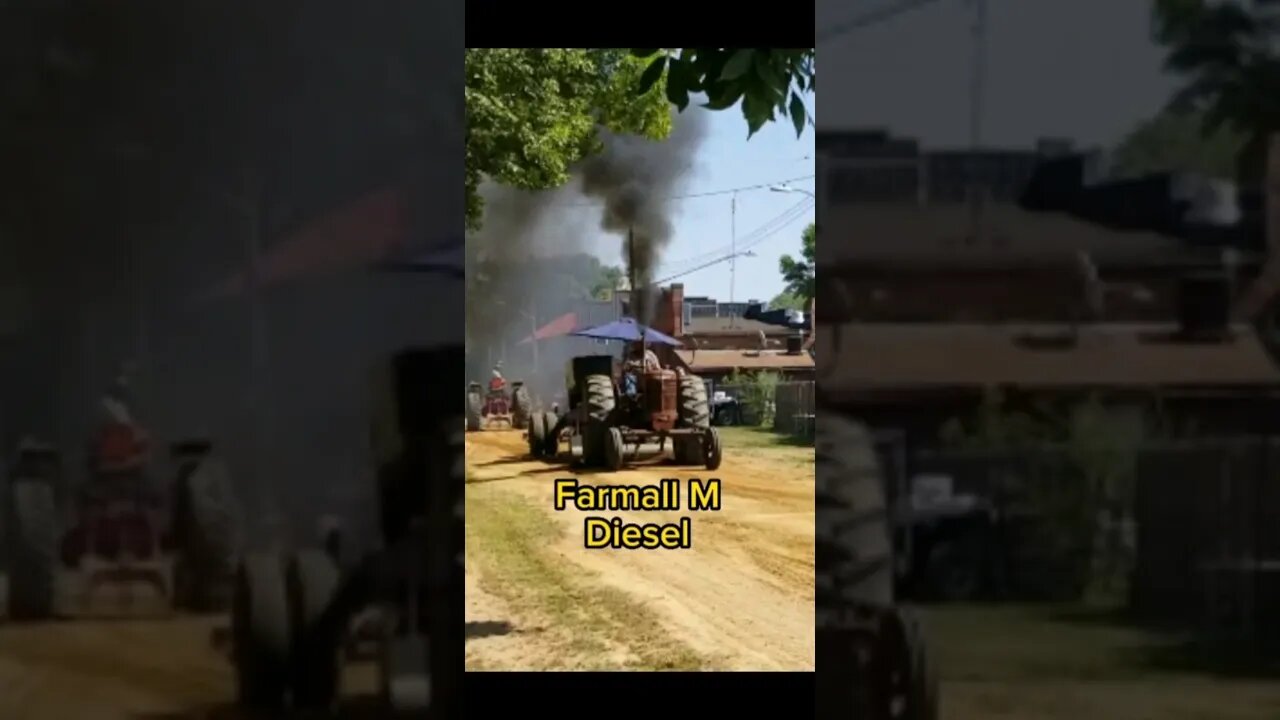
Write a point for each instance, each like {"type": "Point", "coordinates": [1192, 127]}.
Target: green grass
{"type": "Point", "coordinates": [590, 625]}
{"type": "Point", "coordinates": [762, 437]}
{"type": "Point", "coordinates": [1055, 662]}
{"type": "Point", "coordinates": [748, 443]}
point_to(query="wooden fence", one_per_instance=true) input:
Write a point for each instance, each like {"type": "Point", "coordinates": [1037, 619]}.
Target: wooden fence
{"type": "Point", "coordinates": [1204, 517]}
{"type": "Point", "coordinates": [795, 411]}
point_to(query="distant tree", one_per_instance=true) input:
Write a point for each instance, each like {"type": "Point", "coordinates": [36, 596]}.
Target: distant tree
{"type": "Point", "coordinates": [1178, 142]}
{"type": "Point", "coordinates": [768, 82]}
{"type": "Point", "coordinates": [610, 277]}
{"type": "Point", "coordinates": [532, 113]}
{"type": "Point", "coordinates": [1226, 52]}
{"type": "Point", "coordinates": [576, 277]}
{"type": "Point", "coordinates": [799, 274]}
{"type": "Point", "coordinates": [758, 390]}
{"type": "Point", "coordinates": [788, 301]}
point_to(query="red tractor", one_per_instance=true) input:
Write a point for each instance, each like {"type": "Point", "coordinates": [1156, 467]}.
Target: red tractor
{"type": "Point", "coordinates": [116, 537]}
{"type": "Point", "coordinates": [118, 544]}
{"type": "Point", "coordinates": [111, 542]}
{"type": "Point", "coordinates": [495, 409]}
{"type": "Point", "coordinates": [611, 410]}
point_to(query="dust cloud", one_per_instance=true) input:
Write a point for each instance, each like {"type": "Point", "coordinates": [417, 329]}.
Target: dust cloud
{"type": "Point", "coordinates": [103, 271]}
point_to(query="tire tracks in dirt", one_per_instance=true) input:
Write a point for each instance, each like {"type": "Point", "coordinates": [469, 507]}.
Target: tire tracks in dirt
{"type": "Point", "coordinates": [741, 597]}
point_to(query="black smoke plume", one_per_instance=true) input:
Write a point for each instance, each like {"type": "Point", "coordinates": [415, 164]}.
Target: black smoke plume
{"type": "Point", "coordinates": [635, 180]}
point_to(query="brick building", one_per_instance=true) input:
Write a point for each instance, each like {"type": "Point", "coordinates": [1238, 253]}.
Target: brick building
{"type": "Point", "coordinates": [716, 346]}
{"type": "Point", "coordinates": [1051, 285]}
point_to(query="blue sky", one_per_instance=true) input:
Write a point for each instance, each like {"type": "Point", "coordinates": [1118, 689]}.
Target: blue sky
{"type": "Point", "coordinates": [768, 222]}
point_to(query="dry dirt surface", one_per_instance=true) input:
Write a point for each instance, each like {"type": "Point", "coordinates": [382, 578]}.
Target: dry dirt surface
{"type": "Point", "coordinates": [128, 670]}
{"type": "Point", "coordinates": [741, 598]}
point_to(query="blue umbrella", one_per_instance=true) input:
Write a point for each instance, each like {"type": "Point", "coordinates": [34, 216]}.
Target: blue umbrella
{"type": "Point", "coordinates": [627, 330]}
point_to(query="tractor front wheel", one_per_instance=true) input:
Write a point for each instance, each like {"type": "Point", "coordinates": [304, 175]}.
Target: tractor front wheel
{"type": "Point", "coordinates": [316, 661]}
{"type": "Point", "coordinates": [711, 449]}
{"type": "Point", "coordinates": [261, 629]}
{"type": "Point", "coordinates": [537, 435]}
{"type": "Point", "coordinates": [614, 450]}
{"type": "Point", "coordinates": [475, 411]}
{"type": "Point", "coordinates": [551, 443]}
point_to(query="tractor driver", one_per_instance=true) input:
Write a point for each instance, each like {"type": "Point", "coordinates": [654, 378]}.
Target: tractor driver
{"type": "Point", "coordinates": [498, 383]}
{"type": "Point", "coordinates": [642, 360]}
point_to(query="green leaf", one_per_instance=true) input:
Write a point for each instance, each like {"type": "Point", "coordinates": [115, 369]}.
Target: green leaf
{"type": "Point", "coordinates": [710, 63]}
{"type": "Point", "coordinates": [643, 53]}
{"type": "Point", "coordinates": [651, 74]}
{"type": "Point", "coordinates": [677, 87]}
{"type": "Point", "coordinates": [755, 113]}
{"type": "Point", "coordinates": [722, 96]}
{"type": "Point", "coordinates": [798, 114]}
{"type": "Point", "coordinates": [775, 80]}
{"type": "Point", "coordinates": [737, 66]}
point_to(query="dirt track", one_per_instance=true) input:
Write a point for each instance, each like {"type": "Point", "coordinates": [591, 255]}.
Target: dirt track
{"type": "Point", "coordinates": [740, 599]}
{"type": "Point", "coordinates": [123, 670]}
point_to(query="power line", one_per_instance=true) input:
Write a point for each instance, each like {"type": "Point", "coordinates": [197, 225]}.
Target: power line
{"type": "Point", "coordinates": [723, 258]}
{"type": "Point", "coordinates": [691, 271]}
{"type": "Point", "coordinates": [709, 193]}
{"type": "Point", "coordinates": [796, 213]}
{"type": "Point", "coordinates": [765, 231]}
{"type": "Point", "coordinates": [768, 228]}
{"type": "Point", "coordinates": [873, 17]}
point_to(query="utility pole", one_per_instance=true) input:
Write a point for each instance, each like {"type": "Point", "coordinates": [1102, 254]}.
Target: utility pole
{"type": "Point", "coordinates": [978, 71]}
{"type": "Point", "coordinates": [252, 206]}
{"type": "Point", "coordinates": [143, 379]}
{"type": "Point", "coordinates": [977, 84]}
{"type": "Point", "coordinates": [533, 324]}
{"type": "Point", "coordinates": [733, 253]}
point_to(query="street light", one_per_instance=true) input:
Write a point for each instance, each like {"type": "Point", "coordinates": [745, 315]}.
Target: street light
{"type": "Point", "coordinates": [789, 189]}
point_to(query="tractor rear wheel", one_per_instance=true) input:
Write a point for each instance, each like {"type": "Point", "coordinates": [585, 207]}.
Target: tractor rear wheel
{"type": "Point", "coordinates": [315, 666]}
{"type": "Point", "coordinates": [855, 551]}
{"type": "Point", "coordinates": [916, 680]}
{"type": "Point", "coordinates": [600, 405]}
{"type": "Point", "coordinates": [537, 435]}
{"type": "Point", "coordinates": [33, 549]}
{"type": "Point", "coordinates": [853, 520]}
{"type": "Point", "coordinates": [475, 409]}
{"type": "Point", "coordinates": [261, 632]}
{"type": "Point", "coordinates": [694, 409]}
